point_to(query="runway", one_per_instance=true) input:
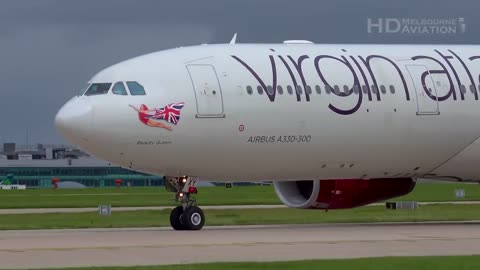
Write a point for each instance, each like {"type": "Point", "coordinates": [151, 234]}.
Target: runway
{"type": "Point", "coordinates": [154, 246]}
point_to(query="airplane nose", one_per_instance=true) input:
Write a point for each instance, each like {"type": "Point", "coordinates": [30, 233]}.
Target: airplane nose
{"type": "Point", "coordinates": [74, 120]}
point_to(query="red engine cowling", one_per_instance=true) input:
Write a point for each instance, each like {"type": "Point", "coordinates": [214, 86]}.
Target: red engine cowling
{"type": "Point", "coordinates": [341, 194]}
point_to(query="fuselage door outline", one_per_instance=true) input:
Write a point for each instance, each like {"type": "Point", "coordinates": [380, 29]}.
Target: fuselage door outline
{"type": "Point", "coordinates": [426, 105]}
{"type": "Point", "coordinates": [207, 89]}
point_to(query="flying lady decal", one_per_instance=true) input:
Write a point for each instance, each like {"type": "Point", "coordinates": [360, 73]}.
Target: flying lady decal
{"type": "Point", "coordinates": [157, 117]}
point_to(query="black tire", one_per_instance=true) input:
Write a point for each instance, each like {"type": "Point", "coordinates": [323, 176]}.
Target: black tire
{"type": "Point", "coordinates": [193, 218]}
{"type": "Point", "coordinates": [175, 217]}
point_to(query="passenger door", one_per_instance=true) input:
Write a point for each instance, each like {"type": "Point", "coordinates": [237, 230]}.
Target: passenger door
{"type": "Point", "coordinates": [208, 93]}
{"type": "Point", "coordinates": [427, 103]}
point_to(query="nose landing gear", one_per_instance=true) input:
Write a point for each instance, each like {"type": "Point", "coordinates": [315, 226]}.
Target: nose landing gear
{"type": "Point", "coordinates": [188, 216]}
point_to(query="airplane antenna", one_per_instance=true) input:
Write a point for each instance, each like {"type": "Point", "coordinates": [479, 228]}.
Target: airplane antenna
{"type": "Point", "coordinates": [234, 39]}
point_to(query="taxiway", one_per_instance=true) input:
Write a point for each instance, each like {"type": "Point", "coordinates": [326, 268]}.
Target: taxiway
{"type": "Point", "coordinates": [155, 246]}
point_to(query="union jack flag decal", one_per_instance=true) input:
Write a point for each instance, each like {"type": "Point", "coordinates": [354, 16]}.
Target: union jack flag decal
{"type": "Point", "coordinates": [155, 117]}
{"type": "Point", "coordinates": [169, 113]}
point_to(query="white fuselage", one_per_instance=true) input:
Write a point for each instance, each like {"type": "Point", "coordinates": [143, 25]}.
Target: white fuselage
{"type": "Point", "coordinates": [392, 111]}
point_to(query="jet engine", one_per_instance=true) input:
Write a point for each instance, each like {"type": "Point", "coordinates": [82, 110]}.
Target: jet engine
{"type": "Point", "coordinates": [341, 193]}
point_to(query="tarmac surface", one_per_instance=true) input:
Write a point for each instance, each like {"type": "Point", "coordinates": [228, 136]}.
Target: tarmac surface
{"type": "Point", "coordinates": [132, 208]}
{"type": "Point", "coordinates": [156, 246]}
{"type": "Point", "coordinates": [206, 207]}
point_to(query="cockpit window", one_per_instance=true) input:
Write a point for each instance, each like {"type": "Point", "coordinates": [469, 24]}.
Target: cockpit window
{"type": "Point", "coordinates": [84, 89]}
{"type": "Point", "coordinates": [119, 89]}
{"type": "Point", "coordinates": [136, 89]}
{"type": "Point", "coordinates": [98, 89]}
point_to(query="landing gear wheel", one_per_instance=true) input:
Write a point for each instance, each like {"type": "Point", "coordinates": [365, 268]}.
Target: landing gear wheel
{"type": "Point", "coordinates": [175, 219]}
{"type": "Point", "coordinates": [188, 216]}
{"type": "Point", "coordinates": [193, 218]}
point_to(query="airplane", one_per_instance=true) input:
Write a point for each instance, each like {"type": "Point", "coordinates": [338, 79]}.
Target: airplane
{"type": "Point", "coordinates": [333, 126]}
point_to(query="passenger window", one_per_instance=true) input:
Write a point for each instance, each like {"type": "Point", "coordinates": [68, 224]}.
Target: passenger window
{"type": "Point", "coordinates": [365, 89]}
{"type": "Point", "coordinates": [472, 88]}
{"type": "Point", "coordinates": [136, 89]}
{"type": "Point", "coordinates": [289, 90]}
{"type": "Point", "coordinates": [270, 90]}
{"type": "Point", "coordinates": [463, 89]}
{"type": "Point", "coordinates": [383, 89]}
{"type": "Point", "coordinates": [299, 89]}
{"type": "Point", "coordinates": [356, 89]}
{"type": "Point", "coordinates": [328, 89]}
{"type": "Point", "coordinates": [119, 89]}
{"type": "Point", "coordinates": [318, 89]}
{"type": "Point", "coordinates": [309, 90]}
{"type": "Point", "coordinates": [374, 89]}
{"type": "Point", "coordinates": [280, 90]}
{"type": "Point", "coordinates": [259, 90]}
{"type": "Point", "coordinates": [98, 89]}
{"type": "Point", "coordinates": [249, 90]}
{"type": "Point", "coordinates": [392, 89]}
{"type": "Point", "coordinates": [337, 89]}
{"type": "Point", "coordinates": [346, 89]}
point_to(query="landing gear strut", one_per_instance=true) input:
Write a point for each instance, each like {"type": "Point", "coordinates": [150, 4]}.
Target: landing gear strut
{"type": "Point", "coordinates": [188, 216]}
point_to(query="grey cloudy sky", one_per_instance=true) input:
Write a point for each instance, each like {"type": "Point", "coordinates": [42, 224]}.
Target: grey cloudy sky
{"type": "Point", "coordinates": [49, 49]}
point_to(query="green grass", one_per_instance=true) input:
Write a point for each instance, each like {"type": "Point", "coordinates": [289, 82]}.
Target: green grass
{"type": "Point", "coordinates": [151, 196]}
{"type": "Point", "coordinates": [157, 196]}
{"type": "Point", "coordinates": [153, 218]}
{"type": "Point", "coordinates": [439, 192]}
{"type": "Point", "coordinates": [386, 263]}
